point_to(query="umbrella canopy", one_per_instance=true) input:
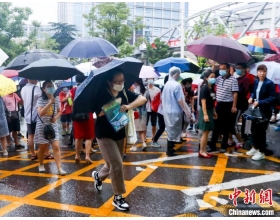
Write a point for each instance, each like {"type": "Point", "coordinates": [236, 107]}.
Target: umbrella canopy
{"type": "Point", "coordinates": [2, 69]}
{"type": "Point", "coordinates": [10, 73]}
{"type": "Point", "coordinates": [273, 70]}
{"type": "Point", "coordinates": [160, 82]}
{"type": "Point", "coordinates": [258, 45]}
{"type": "Point", "coordinates": [148, 72]}
{"type": "Point", "coordinates": [220, 49]}
{"type": "Point", "coordinates": [197, 81]}
{"type": "Point", "coordinates": [31, 56]}
{"type": "Point", "coordinates": [272, 57]}
{"type": "Point", "coordinates": [276, 42]}
{"type": "Point", "coordinates": [94, 84]}
{"type": "Point", "coordinates": [89, 48]}
{"type": "Point", "coordinates": [7, 86]}
{"type": "Point", "coordinates": [194, 66]}
{"type": "Point", "coordinates": [3, 56]}
{"type": "Point", "coordinates": [86, 68]}
{"type": "Point", "coordinates": [49, 69]}
{"type": "Point", "coordinates": [165, 64]}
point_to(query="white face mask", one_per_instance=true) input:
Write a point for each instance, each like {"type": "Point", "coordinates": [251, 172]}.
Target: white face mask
{"type": "Point", "coordinates": [150, 82]}
{"type": "Point", "coordinates": [118, 88]}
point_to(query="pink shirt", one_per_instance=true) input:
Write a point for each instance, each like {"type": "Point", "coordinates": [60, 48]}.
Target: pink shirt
{"type": "Point", "coordinates": [10, 101]}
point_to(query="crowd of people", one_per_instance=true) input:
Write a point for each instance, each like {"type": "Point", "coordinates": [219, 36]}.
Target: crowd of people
{"type": "Point", "coordinates": [216, 106]}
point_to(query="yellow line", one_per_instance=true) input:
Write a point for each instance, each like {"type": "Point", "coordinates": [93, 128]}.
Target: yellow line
{"type": "Point", "coordinates": [8, 208]}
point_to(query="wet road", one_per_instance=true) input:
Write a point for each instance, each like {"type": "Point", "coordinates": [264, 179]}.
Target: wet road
{"type": "Point", "coordinates": [185, 185]}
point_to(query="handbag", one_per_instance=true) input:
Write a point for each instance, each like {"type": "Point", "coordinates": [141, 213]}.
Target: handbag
{"type": "Point", "coordinates": [80, 117]}
{"type": "Point", "coordinates": [11, 115]}
{"type": "Point", "coordinates": [49, 132]}
{"type": "Point", "coordinates": [131, 136]}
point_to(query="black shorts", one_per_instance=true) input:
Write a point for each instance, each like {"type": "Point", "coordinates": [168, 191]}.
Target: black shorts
{"type": "Point", "coordinates": [31, 128]}
{"type": "Point", "coordinates": [153, 116]}
{"type": "Point", "coordinates": [14, 125]}
{"type": "Point", "coordinates": [66, 118]}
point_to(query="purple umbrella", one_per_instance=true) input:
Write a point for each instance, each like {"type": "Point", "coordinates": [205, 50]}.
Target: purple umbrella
{"type": "Point", "coordinates": [275, 41]}
{"type": "Point", "coordinates": [272, 57]}
{"type": "Point", "coordinates": [220, 49]}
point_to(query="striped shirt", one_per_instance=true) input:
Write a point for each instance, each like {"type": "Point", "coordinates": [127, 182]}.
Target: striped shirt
{"type": "Point", "coordinates": [225, 88]}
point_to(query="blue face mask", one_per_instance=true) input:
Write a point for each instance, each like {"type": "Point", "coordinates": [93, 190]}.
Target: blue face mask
{"type": "Point", "coordinates": [238, 72]}
{"type": "Point", "coordinates": [222, 72]}
{"type": "Point", "coordinates": [212, 81]}
{"type": "Point", "coordinates": [50, 90]}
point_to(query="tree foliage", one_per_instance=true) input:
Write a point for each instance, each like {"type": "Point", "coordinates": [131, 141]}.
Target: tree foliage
{"type": "Point", "coordinates": [158, 52]}
{"type": "Point", "coordinates": [109, 20]}
{"type": "Point", "coordinates": [11, 27]}
{"type": "Point", "coordinates": [64, 34]}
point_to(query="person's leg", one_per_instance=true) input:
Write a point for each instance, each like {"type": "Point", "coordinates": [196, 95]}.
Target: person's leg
{"type": "Point", "coordinates": [154, 123]}
{"type": "Point", "coordinates": [4, 145]}
{"type": "Point", "coordinates": [88, 149]}
{"type": "Point", "coordinates": [31, 131]}
{"type": "Point", "coordinates": [160, 129]}
{"type": "Point", "coordinates": [42, 149]}
{"type": "Point", "coordinates": [203, 143]}
{"type": "Point", "coordinates": [226, 124]}
{"type": "Point", "coordinates": [78, 147]}
{"type": "Point", "coordinates": [217, 129]}
{"type": "Point", "coordinates": [57, 157]}
{"type": "Point", "coordinates": [259, 141]}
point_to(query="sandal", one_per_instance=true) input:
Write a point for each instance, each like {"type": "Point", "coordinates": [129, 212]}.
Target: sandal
{"type": "Point", "coordinates": [77, 159]}
{"type": "Point", "coordinates": [34, 157]}
{"type": "Point", "coordinates": [89, 161]}
{"type": "Point", "coordinates": [48, 157]}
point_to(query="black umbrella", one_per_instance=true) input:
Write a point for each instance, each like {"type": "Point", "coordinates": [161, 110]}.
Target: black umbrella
{"type": "Point", "coordinates": [31, 56]}
{"type": "Point", "coordinates": [88, 91]}
{"type": "Point", "coordinates": [253, 113]}
{"type": "Point", "coordinates": [49, 69]}
{"type": "Point", "coordinates": [88, 48]}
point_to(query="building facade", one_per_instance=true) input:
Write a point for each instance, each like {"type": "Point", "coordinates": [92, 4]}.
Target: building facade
{"type": "Point", "coordinates": [157, 16]}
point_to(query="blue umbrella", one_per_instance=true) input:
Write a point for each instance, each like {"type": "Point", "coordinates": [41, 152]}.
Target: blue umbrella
{"type": "Point", "coordinates": [88, 48]}
{"type": "Point", "coordinates": [96, 82]}
{"type": "Point", "coordinates": [165, 64]}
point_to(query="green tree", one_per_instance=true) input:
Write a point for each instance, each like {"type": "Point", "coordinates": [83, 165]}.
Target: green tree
{"type": "Point", "coordinates": [126, 50]}
{"type": "Point", "coordinates": [11, 27]}
{"type": "Point", "coordinates": [158, 52]}
{"type": "Point", "coordinates": [109, 20]}
{"type": "Point", "coordinates": [64, 34]}
{"type": "Point", "coordinates": [32, 40]}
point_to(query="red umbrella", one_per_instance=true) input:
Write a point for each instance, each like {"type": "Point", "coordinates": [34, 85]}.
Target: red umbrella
{"type": "Point", "coordinates": [272, 57]}
{"type": "Point", "coordinates": [10, 73]}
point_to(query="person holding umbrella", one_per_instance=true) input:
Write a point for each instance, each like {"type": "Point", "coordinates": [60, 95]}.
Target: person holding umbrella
{"type": "Point", "coordinates": [112, 143]}
{"type": "Point", "coordinates": [48, 109]}
{"type": "Point", "coordinates": [4, 130]}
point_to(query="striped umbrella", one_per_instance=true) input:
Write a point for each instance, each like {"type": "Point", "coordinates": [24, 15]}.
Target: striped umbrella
{"type": "Point", "coordinates": [272, 57]}
{"type": "Point", "coordinates": [258, 45]}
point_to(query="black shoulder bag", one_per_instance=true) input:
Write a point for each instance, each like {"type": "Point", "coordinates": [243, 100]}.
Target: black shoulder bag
{"type": "Point", "coordinates": [49, 132]}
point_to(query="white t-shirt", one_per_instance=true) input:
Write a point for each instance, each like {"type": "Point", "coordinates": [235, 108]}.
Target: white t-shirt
{"type": "Point", "coordinates": [26, 94]}
{"type": "Point", "coordinates": [258, 90]}
{"type": "Point", "coordinates": [153, 92]}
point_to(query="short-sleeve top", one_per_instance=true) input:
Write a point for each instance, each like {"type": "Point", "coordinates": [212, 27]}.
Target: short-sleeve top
{"type": "Point", "coordinates": [209, 95]}
{"type": "Point", "coordinates": [103, 129]}
{"type": "Point", "coordinates": [51, 111]}
{"type": "Point", "coordinates": [225, 88]}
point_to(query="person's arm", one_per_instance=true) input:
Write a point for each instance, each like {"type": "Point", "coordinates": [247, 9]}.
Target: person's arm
{"type": "Point", "coordinates": [42, 110]}
{"type": "Point", "coordinates": [235, 96]}
{"type": "Point", "coordinates": [140, 100]}
{"type": "Point", "coordinates": [270, 99]}
{"type": "Point", "coordinates": [63, 99]}
{"type": "Point", "coordinates": [204, 109]}
{"type": "Point", "coordinates": [192, 103]}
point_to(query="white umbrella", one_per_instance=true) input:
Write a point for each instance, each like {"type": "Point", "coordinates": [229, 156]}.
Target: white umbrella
{"type": "Point", "coordinates": [273, 70]}
{"type": "Point", "coordinates": [148, 72]}
{"type": "Point", "coordinates": [3, 56]}
{"type": "Point", "coordinates": [86, 68]}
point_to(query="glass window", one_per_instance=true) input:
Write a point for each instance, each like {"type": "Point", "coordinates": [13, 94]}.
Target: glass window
{"type": "Point", "coordinates": [175, 15]}
{"type": "Point", "coordinates": [174, 22]}
{"type": "Point", "coordinates": [157, 22]}
{"type": "Point", "coordinates": [158, 4]}
{"type": "Point", "coordinates": [139, 11]}
{"type": "Point", "coordinates": [148, 12]}
{"type": "Point", "coordinates": [176, 5]}
{"type": "Point", "coordinates": [139, 32]}
{"type": "Point", "coordinates": [167, 14]}
{"type": "Point", "coordinates": [166, 23]}
{"type": "Point", "coordinates": [261, 21]}
{"type": "Point", "coordinates": [149, 4]}
{"type": "Point", "coordinates": [158, 13]}
{"type": "Point", "coordinates": [140, 3]}
{"type": "Point", "coordinates": [167, 5]}
{"type": "Point", "coordinates": [157, 31]}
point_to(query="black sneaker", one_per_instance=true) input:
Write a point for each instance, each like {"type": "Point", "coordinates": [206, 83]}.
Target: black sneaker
{"type": "Point", "coordinates": [18, 147]}
{"type": "Point", "coordinates": [120, 203]}
{"type": "Point", "coordinates": [97, 181]}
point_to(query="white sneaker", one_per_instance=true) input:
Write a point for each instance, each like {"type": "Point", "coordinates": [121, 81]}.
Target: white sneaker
{"type": "Point", "coordinates": [144, 146]}
{"type": "Point", "coordinates": [273, 119]}
{"type": "Point", "coordinates": [5, 153]}
{"type": "Point", "coordinates": [133, 148]}
{"type": "Point", "coordinates": [41, 169]}
{"type": "Point", "coordinates": [251, 152]}
{"type": "Point", "coordinates": [258, 156]}
{"type": "Point", "coordinates": [62, 172]}
{"type": "Point", "coordinates": [156, 145]}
